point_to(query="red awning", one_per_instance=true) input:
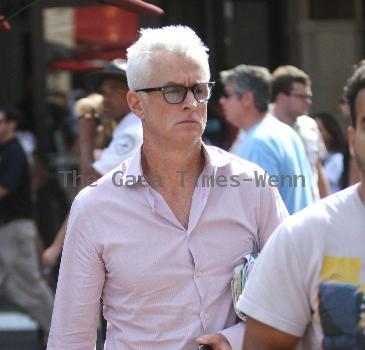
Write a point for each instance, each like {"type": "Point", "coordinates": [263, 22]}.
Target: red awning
{"type": "Point", "coordinates": [136, 6]}
{"type": "Point", "coordinates": [108, 37]}
{"type": "Point", "coordinates": [74, 66]}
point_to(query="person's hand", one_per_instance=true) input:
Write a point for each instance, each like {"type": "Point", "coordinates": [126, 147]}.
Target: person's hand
{"type": "Point", "coordinates": [50, 256]}
{"type": "Point", "coordinates": [216, 341]}
{"type": "Point", "coordinates": [90, 104]}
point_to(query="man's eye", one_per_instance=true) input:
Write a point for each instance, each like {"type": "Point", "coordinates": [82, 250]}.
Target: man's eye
{"type": "Point", "coordinates": [200, 89]}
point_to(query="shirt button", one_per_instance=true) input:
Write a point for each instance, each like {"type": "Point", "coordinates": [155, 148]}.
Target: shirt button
{"type": "Point", "coordinates": [198, 274]}
{"type": "Point", "coordinates": [206, 316]}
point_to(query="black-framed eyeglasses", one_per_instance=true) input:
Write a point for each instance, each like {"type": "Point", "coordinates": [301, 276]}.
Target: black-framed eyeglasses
{"type": "Point", "coordinates": [175, 94]}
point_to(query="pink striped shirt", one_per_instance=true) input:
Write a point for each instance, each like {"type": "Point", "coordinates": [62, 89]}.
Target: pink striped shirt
{"type": "Point", "coordinates": [162, 285]}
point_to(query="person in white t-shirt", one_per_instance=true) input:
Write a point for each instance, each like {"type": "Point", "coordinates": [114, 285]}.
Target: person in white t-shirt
{"type": "Point", "coordinates": [307, 290]}
{"type": "Point", "coordinates": [126, 137]}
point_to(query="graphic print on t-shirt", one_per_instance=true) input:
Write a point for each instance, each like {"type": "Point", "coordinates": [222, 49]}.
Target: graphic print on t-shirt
{"type": "Point", "coordinates": [342, 304]}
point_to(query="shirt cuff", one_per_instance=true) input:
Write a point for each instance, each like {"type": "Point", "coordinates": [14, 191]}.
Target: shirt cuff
{"type": "Point", "coordinates": [234, 335]}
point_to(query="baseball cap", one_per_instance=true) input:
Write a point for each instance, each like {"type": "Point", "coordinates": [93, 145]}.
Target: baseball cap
{"type": "Point", "coordinates": [114, 69]}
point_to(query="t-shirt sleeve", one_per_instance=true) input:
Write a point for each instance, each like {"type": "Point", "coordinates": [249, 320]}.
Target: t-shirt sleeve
{"type": "Point", "coordinates": [272, 212]}
{"type": "Point", "coordinates": [12, 170]}
{"type": "Point", "coordinates": [120, 148]}
{"type": "Point", "coordinates": [276, 293]}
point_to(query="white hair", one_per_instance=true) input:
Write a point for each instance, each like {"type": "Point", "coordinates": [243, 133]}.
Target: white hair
{"type": "Point", "coordinates": [174, 39]}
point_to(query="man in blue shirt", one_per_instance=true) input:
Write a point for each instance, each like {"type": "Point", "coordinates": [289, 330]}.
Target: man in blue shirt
{"type": "Point", "coordinates": [269, 143]}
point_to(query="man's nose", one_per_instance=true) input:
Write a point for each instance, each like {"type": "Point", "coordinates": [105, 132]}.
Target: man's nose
{"type": "Point", "coordinates": [190, 99]}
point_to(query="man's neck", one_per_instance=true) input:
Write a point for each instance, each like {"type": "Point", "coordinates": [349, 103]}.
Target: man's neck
{"type": "Point", "coordinates": [281, 114]}
{"type": "Point", "coordinates": [251, 119]}
{"type": "Point", "coordinates": [169, 164]}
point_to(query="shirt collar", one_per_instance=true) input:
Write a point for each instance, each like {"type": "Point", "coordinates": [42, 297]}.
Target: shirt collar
{"type": "Point", "coordinates": [214, 158]}
{"type": "Point", "coordinates": [127, 120]}
{"type": "Point", "coordinates": [133, 174]}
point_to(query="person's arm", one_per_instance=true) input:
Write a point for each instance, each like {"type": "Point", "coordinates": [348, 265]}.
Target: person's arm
{"type": "Point", "coordinates": [259, 336]}
{"type": "Point", "coordinates": [79, 287]}
{"type": "Point", "coordinates": [323, 184]}
{"type": "Point", "coordinates": [88, 175]}
{"type": "Point", "coordinates": [86, 143]}
{"type": "Point", "coordinates": [51, 254]}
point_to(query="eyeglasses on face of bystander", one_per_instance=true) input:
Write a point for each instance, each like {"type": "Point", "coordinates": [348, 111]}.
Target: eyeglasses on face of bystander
{"type": "Point", "coordinates": [174, 94]}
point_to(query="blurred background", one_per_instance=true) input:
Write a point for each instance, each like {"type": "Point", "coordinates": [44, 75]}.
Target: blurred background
{"type": "Point", "coordinates": [52, 44]}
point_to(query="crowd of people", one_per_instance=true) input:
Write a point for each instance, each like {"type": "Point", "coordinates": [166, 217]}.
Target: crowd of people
{"type": "Point", "coordinates": [159, 251]}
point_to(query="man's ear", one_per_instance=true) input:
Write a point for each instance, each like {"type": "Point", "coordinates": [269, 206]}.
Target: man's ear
{"type": "Point", "coordinates": [247, 98]}
{"type": "Point", "coordinates": [135, 103]}
{"type": "Point", "coordinates": [351, 138]}
{"type": "Point", "coordinates": [280, 97]}
{"type": "Point", "coordinates": [13, 124]}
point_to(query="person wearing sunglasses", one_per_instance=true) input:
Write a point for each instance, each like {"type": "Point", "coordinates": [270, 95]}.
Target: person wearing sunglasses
{"type": "Point", "coordinates": [268, 142]}
{"type": "Point", "coordinates": [158, 238]}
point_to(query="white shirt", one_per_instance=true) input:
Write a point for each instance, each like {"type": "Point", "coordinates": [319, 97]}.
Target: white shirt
{"type": "Point", "coordinates": [309, 281]}
{"type": "Point", "coordinates": [126, 139]}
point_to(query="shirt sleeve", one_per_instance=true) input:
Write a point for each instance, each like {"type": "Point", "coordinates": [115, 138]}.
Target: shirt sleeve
{"type": "Point", "coordinates": [276, 293]}
{"type": "Point", "coordinates": [121, 147]}
{"type": "Point", "coordinates": [80, 283]}
{"type": "Point", "coordinates": [271, 213]}
{"type": "Point", "coordinates": [235, 335]}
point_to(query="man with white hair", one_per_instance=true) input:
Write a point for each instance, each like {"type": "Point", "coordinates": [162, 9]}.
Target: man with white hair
{"type": "Point", "coordinates": [158, 238]}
